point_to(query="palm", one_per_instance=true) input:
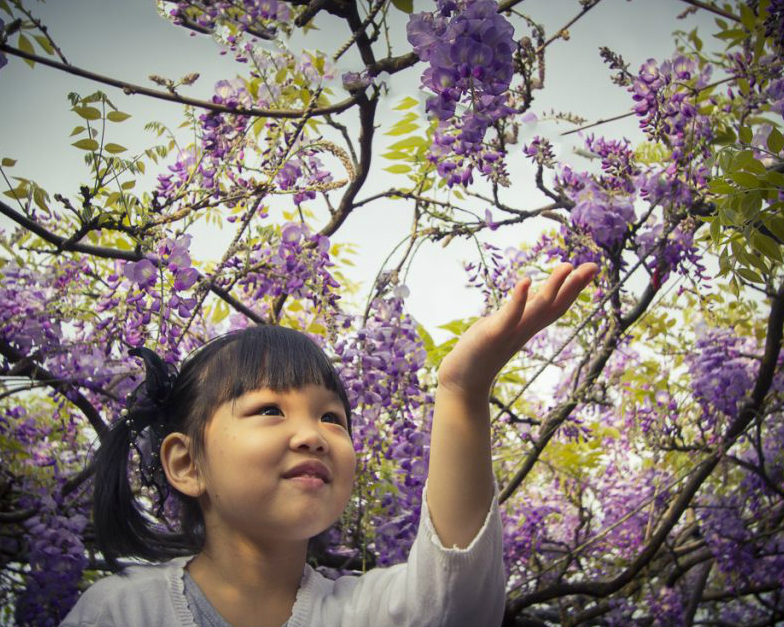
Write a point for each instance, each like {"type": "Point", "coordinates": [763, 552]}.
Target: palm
{"type": "Point", "coordinates": [492, 341]}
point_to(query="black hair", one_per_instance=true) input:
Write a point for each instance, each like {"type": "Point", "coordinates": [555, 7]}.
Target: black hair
{"type": "Point", "coordinates": [221, 370]}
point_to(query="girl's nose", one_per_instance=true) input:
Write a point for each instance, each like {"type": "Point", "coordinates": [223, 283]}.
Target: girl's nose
{"type": "Point", "coordinates": [308, 437]}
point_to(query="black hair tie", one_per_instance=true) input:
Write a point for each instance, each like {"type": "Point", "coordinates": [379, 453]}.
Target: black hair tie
{"type": "Point", "coordinates": [145, 417]}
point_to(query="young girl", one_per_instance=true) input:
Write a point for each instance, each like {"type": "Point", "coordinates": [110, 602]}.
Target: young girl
{"type": "Point", "coordinates": [253, 436]}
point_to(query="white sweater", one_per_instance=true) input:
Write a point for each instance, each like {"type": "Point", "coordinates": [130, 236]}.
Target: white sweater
{"type": "Point", "coordinates": [436, 587]}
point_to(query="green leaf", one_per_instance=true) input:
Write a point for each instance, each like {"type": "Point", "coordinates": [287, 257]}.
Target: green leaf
{"type": "Point", "coordinates": [695, 40]}
{"type": "Point", "coordinates": [112, 198]}
{"type": "Point", "coordinates": [86, 144]}
{"type": "Point", "coordinates": [758, 262]}
{"type": "Point", "coordinates": [776, 226]}
{"type": "Point", "coordinates": [751, 203]}
{"type": "Point", "coordinates": [88, 113]}
{"type": "Point", "coordinates": [776, 178]}
{"type": "Point", "coordinates": [114, 149]}
{"type": "Point", "coordinates": [220, 312]}
{"type": "Point", "coordinates": [750, 275]}
{"type": "Point", "coordinates": [743, 85]}
{"type": "Point", "coordinates": [715, 231]}
{"type": "Point", "coordinates": [399, 168]}
{"type": "Point", "coordinates": [77, 130]}
{"type": "Point", "coordinates": [40, 197]}
{"type": "Point", "coordinates": [745, 134]}
{"type": "Point", "coordinates": [117, 116]}
{"type": "Point", "coordinates": [747, 17]}
{"type": "Point", "coordinates": [775, 141]}
{"type": "Point", "coordinates": [457, 327]}
{"type": "Point", "coordinates": [44, 43]}
{"type": "Point", "coordinates": [724, 135]}
{"type": "Point", "coordinates": [766, 245]}
{"type": "Point", "coordinates": [25, 45]}
{"type": "Point", "coordinates": [128, 184]}
{"type": "Point", "coordinates": [141, 167]}
{"type": "Point", "coordinates": [720, 186]}
{"type": "Point", "coordinates": [406, 103]}
{"type": "Point", "coordinates": [406, 6]}
{"type": "Point", "coordinates": [732, 33]}
{"type": "Point", "coordinates": [8, 163]}
{"type": "Point", "coordinates": [745, 179]}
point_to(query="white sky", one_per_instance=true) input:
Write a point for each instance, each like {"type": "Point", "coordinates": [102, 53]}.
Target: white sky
{"type": "Point", "coordinates": [128, 40]}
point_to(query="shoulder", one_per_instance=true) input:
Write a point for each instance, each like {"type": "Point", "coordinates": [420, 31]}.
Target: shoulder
{"type": "Point", "coordinates": [137, 595]}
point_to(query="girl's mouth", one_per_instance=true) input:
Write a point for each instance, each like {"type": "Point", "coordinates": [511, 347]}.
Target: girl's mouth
{"type": "Point", "coordinates": [312, 471]}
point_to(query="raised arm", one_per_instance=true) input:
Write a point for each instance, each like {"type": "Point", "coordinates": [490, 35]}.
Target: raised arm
{"type": "Point", "coordinates": [460, 479]}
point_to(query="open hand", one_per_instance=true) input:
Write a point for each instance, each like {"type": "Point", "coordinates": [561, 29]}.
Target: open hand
{"type": "Point", "coordinates": [489, 343]}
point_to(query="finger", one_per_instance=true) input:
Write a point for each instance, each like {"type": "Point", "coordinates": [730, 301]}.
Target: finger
{"type": "Point", "coordinates": [575, 284]}
{"type": "Point", "coordinates": [549, 291]}
{"type": "Point", "coordinates": [513, 309]}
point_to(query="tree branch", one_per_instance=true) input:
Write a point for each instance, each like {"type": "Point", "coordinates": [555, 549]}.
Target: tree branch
{"type": "Point", "coordinates": [698, 476]}
{"type": "Point", "coordinates": [712, 9]}
{"type": "Point", "coordinates": [38, 373]}
{"type": "Point", "coordinates": [130, 89]}
{"type": "Point", "coordinates": [67, 244]}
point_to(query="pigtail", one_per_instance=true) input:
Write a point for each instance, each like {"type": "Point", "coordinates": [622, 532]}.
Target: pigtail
{"type": "Point", "coordinates": [121, 526]}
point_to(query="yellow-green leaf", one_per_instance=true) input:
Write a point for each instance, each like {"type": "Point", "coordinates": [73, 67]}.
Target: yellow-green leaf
{"type": "Point", "coordinates": [406, 103]}
{"type": "Point", "coordinates": [44, 43]}
{"type": "Point", "coordinates": [395, 155]}
{"type": "Point", "coordinates": [399, 168]}
{"type": "Point", "coordinates": [402, 129]}
{"type": "Point", "coordinates": [112, 198]}
{"type": "Point", "coordinates": [86, 144]}
{"type": "Point", "coordinates": [117, 116]}
{"type": "Point", "coordinates": [7, 163]}
{"type": "Point", "coordinates": [114, 148]}
{"type": "Point", "coordinates": [88, 113]}
{"type": "Point", "coordinates": [128, 184]}
{"type": "Point", "coordinates": [25, 45]}
{"type": "Point", "coordinates": [408, 142]}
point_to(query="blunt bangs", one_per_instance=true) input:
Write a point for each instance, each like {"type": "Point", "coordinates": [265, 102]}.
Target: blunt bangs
{"type": "Point", "coordinates": [273, 357]}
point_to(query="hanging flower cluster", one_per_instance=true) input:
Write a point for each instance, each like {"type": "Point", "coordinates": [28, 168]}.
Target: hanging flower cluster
{"type": "Point", "coordinates": [468, 47]}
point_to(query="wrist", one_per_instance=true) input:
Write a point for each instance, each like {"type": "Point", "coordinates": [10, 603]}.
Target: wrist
{"type": "Point", "coordinates": [474, 397]}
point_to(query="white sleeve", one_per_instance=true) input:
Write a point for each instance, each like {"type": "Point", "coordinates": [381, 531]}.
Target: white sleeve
{"type": "Point", "coordinates": [437, 586]}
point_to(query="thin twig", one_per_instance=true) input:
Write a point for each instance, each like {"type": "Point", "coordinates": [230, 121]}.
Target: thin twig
{"type": "Point", "coordinates": [131, 89]}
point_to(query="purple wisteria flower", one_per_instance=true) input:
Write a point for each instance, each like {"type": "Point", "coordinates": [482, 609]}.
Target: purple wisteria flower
{"type": "Point", "coordinates": [468, 47]}
{"type": "Point", "coordinates": [720, 375]}
{"type": "Point", "coordinates": [256, 15]}
{"type": "Point", "coordinates": [605, 214]}
{"type": "Point", "coordinates": [142, 272]}
{"type": "Point", "coordinates": [665, 103]}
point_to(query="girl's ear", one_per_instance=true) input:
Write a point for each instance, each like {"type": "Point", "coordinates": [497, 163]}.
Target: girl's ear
{"type": "Point", "coordinates": [180, 466]}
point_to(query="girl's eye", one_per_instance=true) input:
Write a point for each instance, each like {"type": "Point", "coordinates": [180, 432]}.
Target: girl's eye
{"type": "Point", "coordinates": [333, 418]}
{"type": "Point", "coordinates": [269, 410]}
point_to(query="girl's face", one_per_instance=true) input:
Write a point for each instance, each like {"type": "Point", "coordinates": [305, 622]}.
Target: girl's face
{"type": "Point", "coordinates": [279, 465]}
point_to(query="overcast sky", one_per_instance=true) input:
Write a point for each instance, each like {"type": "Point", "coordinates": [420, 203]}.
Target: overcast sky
{"type": "Point", "coordinates": [128, 40]}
